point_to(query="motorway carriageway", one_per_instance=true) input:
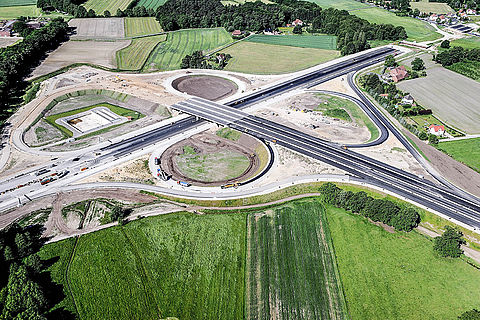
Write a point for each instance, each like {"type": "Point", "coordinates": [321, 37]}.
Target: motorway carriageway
{"type": "Point", "coordinates": [419, 190]}
{"type": "Point", "coordinates": [314, 78]}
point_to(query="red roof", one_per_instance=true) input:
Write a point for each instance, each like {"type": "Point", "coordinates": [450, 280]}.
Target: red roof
{"type": "Point", "coordinates": [297, 21]}
{"type": "Point", "coordinates": [399, 73]}
{"type": "Point", "coordinates": [437, 128]}
{"type": "Point", "coordinates": [236, 32]}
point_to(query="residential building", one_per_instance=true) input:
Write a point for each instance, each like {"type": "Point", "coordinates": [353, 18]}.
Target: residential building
{"type": "Point", "coordinates": [297, 22]}
{"type": "Point", "coordinates": [436, 130]}
{"type": "Point", "coordinates": [408, 99]}
{"type": "Point", "coordinates": [398, 73]}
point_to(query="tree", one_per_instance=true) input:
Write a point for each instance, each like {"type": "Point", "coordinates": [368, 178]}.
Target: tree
{"type": "Point", "coordinates": [329, 192]}
{"type": "Point", "coordinates": [91, 14]}
{"type": "Point", "coordinates": [406, 219]}
{"type": "Point", "coordinates": [422, 135]}
{"type": "Point", "coordinates": [432, 139]}
{"type": "Point", "coordinates": [418, 64]}
{"type": "Point", "coordinates": [107, 14]}
{"type": "Point", "coordinates": [445, 44]}
{"type": "Point", "coordinates": [390, 61]}
{"type": "Point", "coordinates": [448, 244]}
{"type": "Point", "coordinates": [473, 314]}
{"type": "Point", "coordinates": [297, 29]}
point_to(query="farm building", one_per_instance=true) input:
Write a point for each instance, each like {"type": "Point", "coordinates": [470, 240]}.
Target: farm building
{"type": "Point", "coordinates": [398, 73]}
{"type": "Point", "coordinates": [297, 22]}
{"type": "Point", "coordinates": [436, 130]}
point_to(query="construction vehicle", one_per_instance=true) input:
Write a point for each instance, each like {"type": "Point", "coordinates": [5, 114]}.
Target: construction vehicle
{"type": "Point", "coordinates": [163, 175]}
{"type": "Point", "coordinates": [183, 183]}
{"type": "Point", "coordinates": [84, 168]}
{"type": "Point", "coordinates": [230, 185]}
{"type": "Point", "coordinates": [157, 161]}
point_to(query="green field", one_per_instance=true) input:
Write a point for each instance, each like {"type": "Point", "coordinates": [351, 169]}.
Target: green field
{"type": "Point", "coordinates": [17, 11]}
{"type": "Point", "coordinates": [398, 276]}
{"type": "Point", "coordinates": [469, 69]}
{"type": "Point", "coordinates": [318, 42]}
{"type": "Point", "coordinates": [135, 27]}
{"type": "Point", "coordinates": [134, 56]}
{"type": "Point", "coordinates": [416, 30]}
{"type": "Point", "coordinates": [431, 7]}
{"type": "Point", "coordinates": [466, 151]}
{"type": "Point", "coordinates": [230, 134]}
{"type": "Point", "coordinates": [168, 55]}
{"type": "Point", "coordinates": [259, 58]}
{"type": "Point", "coordinates": [341, 4]}
{"type": "Point", "coordinates": [467, 43]}
{"type": "Point", "coordinates": [178, 265]}
{"type": "Point", "coordinates": [350, 108]}
{"type": "Point", "coordinates": [215, 166]}
{"type": "Point", "coordinates": [12, 3]}
{"type": "Point", "coordinates": [153, 4]}
{"type": "Point", "coordinates": [99, 6]}
{"type": "Point", "coordinates": [291, 271]}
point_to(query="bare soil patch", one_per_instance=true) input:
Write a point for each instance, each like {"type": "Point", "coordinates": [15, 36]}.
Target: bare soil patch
{"type": "Point", "coordinates": [207, 143]}
{"type": "Point", "coordinates": [207, 87]}
{"type": "Point", "coordinates": [95, 52]}
{"type": "Point", "coordinates": [98, 28]}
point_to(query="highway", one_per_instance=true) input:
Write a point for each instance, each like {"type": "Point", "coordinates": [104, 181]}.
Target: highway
{"type": "Point", "coordinates": [417, 189]}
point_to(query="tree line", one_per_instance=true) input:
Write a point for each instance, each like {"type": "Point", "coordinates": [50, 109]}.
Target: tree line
{"type": "Point", "coordinates": [26, 288]}
{"type": "Point", "coordinates": [383, 210]}
{"type": "Point", "coordinates": [458, 4]}
{"type": "Point", "coordinates": [17, 61]}
{"type": "Point", "coordinates": [457, 54]}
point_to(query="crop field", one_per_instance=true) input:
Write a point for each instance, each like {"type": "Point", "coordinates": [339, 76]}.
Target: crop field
{"type": "Point", "coordinates": [94, 52]}
{"type": "Point", "coordinates": [134, 56]}
{"type": "Point", "coordinates": [135, 27]}
{"type": "Point", "coordinates": [397, 275]}
{"type": "Point", "coordinates": [13, 12]}
{"type": "Point", "coordinates": [469, 69]}
{"type": "Point", "coordinates": [291, 268]}
{"type": "Point", "coordinates": [468, 43]}
{"type": "Point", "coordinates": [466, 151]}
{"type": "Point", "coordinates": [99, 6]}
{"type": "Point", "coordinates": [153, 4]}
{"type": "Point", "coordinates": [177, 265]}
{"type": "Point", "coordinates": [350, 108]}
{"type": "Point", "coordinates": [456, 106]}
{"type": "Point", "coordinates": [168, 55]}
{"type": "Point", "coordinates": [433, 7]}
{"type": "Point", "coordinates": [12, 3]}
{"type": "Point", "coordinates": [259, 58]}
{"type": "Point", "coordinates": [416, 30]}
{"type": "Point", "coordinates": [318, 42]}
{"type": "Point", "coordinates": [98, 28]}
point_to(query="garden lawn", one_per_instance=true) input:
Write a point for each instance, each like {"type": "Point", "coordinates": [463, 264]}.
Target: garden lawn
{"type": "Point", "coordinates": [135, 27]}
{"type": "Point", "coordinates": [467, 43]}
{"type": "Point", "coordinates": [177, 265]}
{"type": "Point", "coordinates": [466, 151]}
{"type": "Point", "coordinates": [136, 54]}
{"type": "Point", "coordinates": [318, 42]}
{"type": "Point", "coordinates": [416, 30]}
{"type": "Point", "coordinates": [259, 58]}
{"type": "Point", "coordinates": [398, 276]}
{"type": "Point", "coordinates": [99, 6]}
{"type": "Point", "coordinates": [291, 268]}
{"type": "Point", "coordinates": [168, 55]}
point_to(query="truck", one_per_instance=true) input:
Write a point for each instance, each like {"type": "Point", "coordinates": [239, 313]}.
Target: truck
{"type": "Point", "coordinates": [42, 171]}
{"type": "Point", "coordinates": [183, 183]}
{"type": "Point", "coordinates": [230, 185]}
{"type": "Point", "coordinates": [157, 161]}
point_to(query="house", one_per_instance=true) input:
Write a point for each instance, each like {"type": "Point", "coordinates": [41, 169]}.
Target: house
{"type": "Point", "coordinates": [384, 95]}
{"type": "Point", "coordinates": [236, 33]}
{"type": "Point", "coordinates": [408, 99]}
{"type": "Point", "coordinates": [433, 17]}
{"type": "Point", "coordinates": [297, 22]}
{"type": "Point", "coordinates": [471, 11]}
{"type": "Point", "coordinates": [442, 18]}
{"type": "Point", "coordinates": [436, 130]}
{"type": "Point", "coordinates": [398, 73]}
{"type": "Point", "coordinates": [5, 33]}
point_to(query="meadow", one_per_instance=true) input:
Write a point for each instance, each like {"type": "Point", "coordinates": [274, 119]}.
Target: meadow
{"type": "Point", "coordinates": [12, 3]}
{"type": "Point", "coordinates": [433, 7]}
{"type": "Point", "coordinates": [99, 6]}
{"type": "Point", "coordinates": [466, 151]}
{"type": "Point", "coordinates": [318, 42]}
{"type": "Point", "coordinates": [153, 4]}
{"type": "Point", "coordinates": [397, 275]}
{"type": "Point", "coordinates": [168, 55]}
{"type": "Point", "coordinates": [13, 12]}
{"type": "Point", "coordinates": [178, 265]}
{"type": "Point", "coordinates": [341, 4]}
{"type": "Point", "coordinates": [135, 27]}
{"type": "Point", "coordinates": [291, 271]}
{"type": "Point", "coordinates": [134, 56]}
{"type": "Point", "coordinates": [259, 58]}
{"type": "Point", "coordinates": [467, 43]}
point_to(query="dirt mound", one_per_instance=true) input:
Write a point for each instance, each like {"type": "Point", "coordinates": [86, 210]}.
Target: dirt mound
{"type": "Point", "coordinates": [205, 155]}
{"type": "Point", "coordinates": [207, 87]}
